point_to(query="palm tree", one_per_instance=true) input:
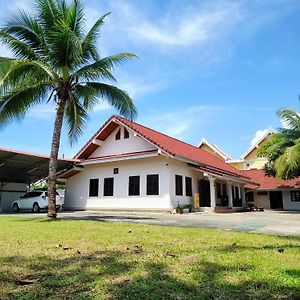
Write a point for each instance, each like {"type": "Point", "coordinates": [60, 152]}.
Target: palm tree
{"type": "Point", "coordinates": [283, 150]}
{"type": "Point", "coordinates": [56, 60]}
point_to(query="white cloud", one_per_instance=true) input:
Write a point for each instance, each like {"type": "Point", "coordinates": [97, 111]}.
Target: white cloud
{"type": "Point", "coordinates": [180, 123]}
{"type": "Point", "coordinates": [42, 112]}
{"type": "Point", "coordinates": [259, 134]}
{"type": "Point", "coordinates": [191, 26]}
{"type": "Point", "coordinates": [102, 106]}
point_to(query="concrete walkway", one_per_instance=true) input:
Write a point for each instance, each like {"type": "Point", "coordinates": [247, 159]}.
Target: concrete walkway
{"type": "Point", "coordinates": [268, 222]}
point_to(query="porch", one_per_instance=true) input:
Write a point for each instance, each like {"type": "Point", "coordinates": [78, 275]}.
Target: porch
{"type": "Point", "coordinates": [217, 193]}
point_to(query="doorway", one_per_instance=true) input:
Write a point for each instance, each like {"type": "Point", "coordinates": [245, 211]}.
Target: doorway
{"type": "Point", "coordinates": [276, 200]}
{"type": "Point", "coordinates": [204, 192]}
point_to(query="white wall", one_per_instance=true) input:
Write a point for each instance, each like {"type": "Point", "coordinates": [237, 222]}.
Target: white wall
{"type": "Point", "coordinates": [181, 168]}
{"type": "Point", "coordinates": [9, 193]}
{"type": "Point", "coordinates": [77, 187]}
{"type": "Point", "coordinates": [112, 146]}
{"type": "Point", "coordinates": [262, 200]}
{"type": "Point", "coordinates": [287, 203]}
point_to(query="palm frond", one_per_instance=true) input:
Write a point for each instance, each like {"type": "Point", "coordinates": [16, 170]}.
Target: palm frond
{"type": "Point", "coordinates": [101, 68]}
{"type": "Point", "coordinates": [89, 48]}
{"type": "Point", "coordinates": [65, 46]}
{"type": "Point", "coordinates": [116, 97]}
{"type": "Point", "coordinates": [18, 47]}
{"type": "Point", "coordinates": [87, 94]}
{"type": "Point", "coordinates": [5, 64]}
{"type": "Point", "coordinates": [15, 103]}
{"type": "Point", "coordinates": [74, 17]}
{"type": "Point", "coordinates": [288, 162]}
{"type": "Point", "coordinates": [23, 68]}
{"type": "Point", "coordinates": [76, 117]}
{"type": "Point", "coordinates": [26, 29]}
{"type": "Point", "coordinates": [48, 12]}
{"type": "Point", "coordinates": [290, 118]}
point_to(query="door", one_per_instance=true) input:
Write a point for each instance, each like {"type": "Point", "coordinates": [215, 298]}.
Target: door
{"type": "Point", "coordinates": [204, 192]}
{"type": "Point", "coordinates": [276, 200]}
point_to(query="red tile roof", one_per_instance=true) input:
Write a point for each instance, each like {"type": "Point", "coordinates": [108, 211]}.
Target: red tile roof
{"type": "Point", "coordinates": [268, 182]}
{"type": "Point", "coordinates": [164, 142]}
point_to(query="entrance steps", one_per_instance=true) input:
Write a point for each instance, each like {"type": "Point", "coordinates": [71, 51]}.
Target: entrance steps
{"type": "Point", "coordinates": [224, 209]}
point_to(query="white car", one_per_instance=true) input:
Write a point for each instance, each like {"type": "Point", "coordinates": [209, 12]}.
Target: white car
{"type": "Point", "coordinates": [35, 201]}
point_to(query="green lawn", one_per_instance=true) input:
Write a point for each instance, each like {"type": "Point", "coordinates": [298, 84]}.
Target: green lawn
{"type": "Point", "coordinates": [126, 261]}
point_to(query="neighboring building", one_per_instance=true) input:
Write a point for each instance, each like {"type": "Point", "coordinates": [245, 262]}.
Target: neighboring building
{"type": "Point", "coordinates": [273, 193]}
{"type": "Point", "coordinates": [128, 166]}
{"type": "Point", "coordinates": [270, 192]}
{"type": "Point", "coordinates": [213, 149]}
{"type": "Point", "coordinates": [249, 159]}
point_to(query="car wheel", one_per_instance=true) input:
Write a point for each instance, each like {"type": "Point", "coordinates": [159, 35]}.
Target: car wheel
{"type": "Point", "coordinates": [36, 208]}
{"type": "Point", "coordinates": [15, 207]}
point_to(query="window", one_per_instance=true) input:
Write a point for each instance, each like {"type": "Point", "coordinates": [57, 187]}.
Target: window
{"type": "Point", "coordinates": [134, 186]}
{"type": "Point", "coordinates": [32, 194]}
{"type": "Point", "coordinates": [249, 197]}
{"type": "Point", "coordinates": [108, 187]}
{"type": "Point", "coordinates": [94, 187]}
{"type": "Point", "coordinates": [188, 186]}
{"type": "Point", "coordinates": [295, 196]}
{"type": "Point", "coordinates": [152, 184]}
{"type": "Point", "coordinates": [118, 135]}
{"type": "Point", "coordinates": [126, 133]}
{"type": "Point", "coordinates": [116, 170]}
{"type": "Point", "coordinates": [178, 185]}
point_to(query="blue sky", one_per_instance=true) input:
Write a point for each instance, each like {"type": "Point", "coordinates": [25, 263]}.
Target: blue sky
{"type": "Point", "coordinates": [213, 69]}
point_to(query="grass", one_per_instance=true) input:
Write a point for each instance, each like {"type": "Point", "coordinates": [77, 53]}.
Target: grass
{"type": "Point", "coordinates": [126, 261]}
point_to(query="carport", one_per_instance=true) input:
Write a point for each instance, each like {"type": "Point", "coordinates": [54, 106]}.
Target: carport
{"type": "Point", "coordinates": [19, 169]}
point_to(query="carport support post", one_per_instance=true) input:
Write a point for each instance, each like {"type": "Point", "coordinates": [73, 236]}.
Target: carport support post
{"type": "Point", "coordinates": [229, 193]}
{"type": "Point", "coordinates": [212, 181]}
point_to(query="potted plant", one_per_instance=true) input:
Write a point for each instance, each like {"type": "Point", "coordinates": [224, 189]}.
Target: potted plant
{"type": "Point", "coordinates": [179, 209]}
{"type": "Point", "coordinates": [187, 208]}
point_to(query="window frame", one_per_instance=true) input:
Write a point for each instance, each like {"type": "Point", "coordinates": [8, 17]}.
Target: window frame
{"type": "Point", "coordinates": [150, 189]}
{"type": "Point", "coordinates": [178, 185]}
{"type": "Point", "coordinates": [297, 196]}
{"type": "Point", "coordinates": [188, 186]}
{"type": "Point", "coordinates": [126, 133]}
{"type": "Point", "coordinates": [97, 189]}
{"type": "Point", "coordinates": [118, 135]}
{"type": "Point", "coordinates": [132, 189]}
{"type": "Point", "coordinates": [109, 188]}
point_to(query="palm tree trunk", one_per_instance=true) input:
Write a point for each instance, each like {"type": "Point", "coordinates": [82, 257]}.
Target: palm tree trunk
{"type": "Point", "coordinates": [53, 158]}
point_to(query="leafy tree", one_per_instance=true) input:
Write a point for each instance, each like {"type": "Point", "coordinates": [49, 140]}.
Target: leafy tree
{"type": "Point", "coordinates": [56, 60]}
{"type": "Point", "coordinates": [283, 150]}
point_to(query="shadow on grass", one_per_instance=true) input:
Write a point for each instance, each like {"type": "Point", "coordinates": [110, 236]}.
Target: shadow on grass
{"type": "Point", "coordinates": [121, 275]}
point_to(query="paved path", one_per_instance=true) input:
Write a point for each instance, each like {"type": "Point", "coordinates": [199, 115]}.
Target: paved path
{"type": "Point", "coordinates": [268, 222]}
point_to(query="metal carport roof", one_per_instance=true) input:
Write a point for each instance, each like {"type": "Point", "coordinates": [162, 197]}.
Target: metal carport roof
{"type": "Point", "coordinates": [22, 167]}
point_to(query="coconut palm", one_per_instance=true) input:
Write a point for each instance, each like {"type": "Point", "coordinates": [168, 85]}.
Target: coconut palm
{"type": "Point", "coordinates": [56, 60]}
{"type": "Point", "coordinates": [283, 150]}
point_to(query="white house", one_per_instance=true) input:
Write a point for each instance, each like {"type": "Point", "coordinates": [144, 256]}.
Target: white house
{"type": "Point", "coordinates": [128, 166]}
